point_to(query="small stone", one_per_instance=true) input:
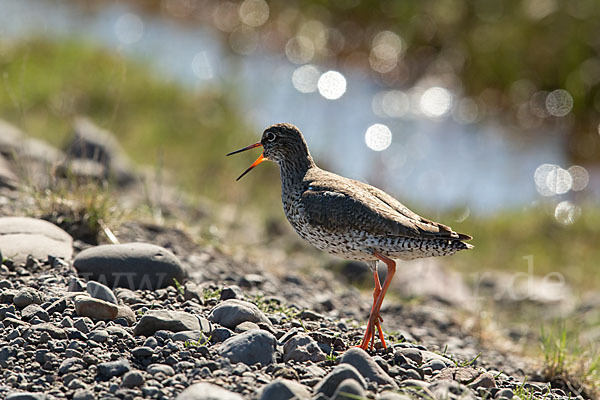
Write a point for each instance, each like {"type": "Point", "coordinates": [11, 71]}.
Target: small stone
{"type": "Point", "coordinates": [135, 266]}
{"type": "Point", "coordinates": [284, 389]}
{"type": "Point", "coordinates": [349, 389]}
{"type": "Point", "coordinates": [132, 379]}
{"type": "Point", "coordinates": [329, 384]}
{"type": "Point", "coordinates": [164, 369]}
{"type": "Point", "coordinates": [207, 391]}
{"type": "Point", "coordinates": [26, 396]}
{"type": "Point", "coordinates": [27, 296]}
{"type": "Point", "coordinates": [95, 308]}
{"type": "Point", "coordinates": [76, 285]}
{"type": "Point", "coordinates": [302, 348]}
{"type": "Point", "coordinates": [220, 335]}
{"type": "Point", "coordinates": [246, 326]}
{"type": "Point", "coordinates": [231, 292]}
{"type": "Point", "coordinates": [100, 291]}
{"type": "Point", "coordinates": [83, 394]}
{"type": "Point", "coordinates": [113, 368]}
{"type": "Point", "coordinates": [504, 394]}
{"type": "Point", "coordinates": [174, 321]}
{"type": "Point", "coordinates": [34, 310]}
{"type": "Point", "coordinates": [411, 354]}
{"type": "Point", "coordinates": [192, 291]}
{"type": "Point", "coordinates": [363, 362]}
{"type": "Point", "coordinates": [82, 325]}
{"type": "Point", "coordinates": [451, 390]}
{"type": "Point", "coordinates": [192, 336]}
{"type": "Point", "coordinates": [252, 347]}
{"type": "Point", "coordinates": [54, 331]}
{"type": "Point", "coordinates": [99, 335]}
{"type": "Point", "coordinates": [232, 312]}
{"type": "Point", "coordinates": [71, 364]}
{"type": "Point", "coordinates": [485, 380]}
{"type": "Point", "coordinates": [142, 351]}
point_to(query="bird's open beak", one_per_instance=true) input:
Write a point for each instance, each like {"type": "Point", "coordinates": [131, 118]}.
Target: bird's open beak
{"type": "Point", "coordinates": [255, 163]}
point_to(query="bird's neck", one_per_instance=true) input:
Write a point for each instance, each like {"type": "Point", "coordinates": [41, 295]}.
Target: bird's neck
{"type": "Point", "coordinates": [293, 169]}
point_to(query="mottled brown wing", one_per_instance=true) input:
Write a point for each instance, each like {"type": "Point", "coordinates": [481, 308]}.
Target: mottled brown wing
{"type": "Point", "coordinates": [336, 202]}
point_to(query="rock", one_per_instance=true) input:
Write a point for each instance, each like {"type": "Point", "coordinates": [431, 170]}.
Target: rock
{"type": "Point", "coordinates": [164, 369]}
{"type": "Point", "coordinates": [411, 354]}
{"type": "Point", "coordinates": [7, 176]}
{"type": "Point", "coordinates": [505, 394]}
{"type": "Point", "coordinates": [26, 396]}
{"type": "Point", "coordinates": [450, 390]}
{"type": "Point", "coordinates": [83, 394]}
{"type": "Point", "coordinates": [485, 380]}
{"type": "Point", "coordinates": [252, 347]}
{"type": "Point", "coordinates": [127, 296]}
{"type": "Point", "coordinates": [367, 366]}
{"type": "Point", "coordinates": [99, 335]}
{"type": "Point", "coordinates": [132, 379]}
{"type": "Point", "coordinates": [463, 375]}
{"type": "Point", "coordinates": [174, 321]}
{"type": "Point", "coordinates": [302, 348]}
{"type": "Point", "coordinates": [27, 296]}
{"type": "Point", "coordinates": [34, 310]}
{"type": "Point", "coordinates": [71, 364]}
{"type": "Point", "coordinates": [246, 326]}
{"type": "Point", "coordinates": [192, 336]}
{"type": "Point", "coordinates": [393, 396]}
{"type": "Point", "coordinates": [142, 351]}
{"type": "Point", "coordinates": [329, 384]}
{"type": "Point", "coordinates": [22, 236]}
{"type": "Point", "coordinates": [76, 285]}
{"type": "Point", "coordinates": [192, 291]}
{"type": "Point", "coordinates": [207, 391]}
{"type": "Point", "coordinates": [349, 389]}
{"type": "Point", "coordinates": [135, 266]}
{"type": "Point", "coordinates": [54, 331]}
{"type": "Point", "coordinates": [109, 369]}
{"type": "Point", "coordinates": [231, 292]}
{"type": "Point", "coordinates": [100, 291]}
{"type": "Point", "coordinates": [232, 312]}
{"type": "Point", "coordinates": [95, 308]}
{"type": "Point", "coordinates": [284, 389]}
{"type": "Point", "coordinates": [93, 143]}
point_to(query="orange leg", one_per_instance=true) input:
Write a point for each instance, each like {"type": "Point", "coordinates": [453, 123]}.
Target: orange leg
{"type": "Point", "coordinates": [378, 295]}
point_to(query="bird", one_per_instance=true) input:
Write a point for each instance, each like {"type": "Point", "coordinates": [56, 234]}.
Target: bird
{"type": "Point", "coordinates": [348, 218]}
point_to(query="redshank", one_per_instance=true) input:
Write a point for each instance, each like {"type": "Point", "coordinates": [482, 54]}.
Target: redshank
{"type": "Point", "coordinates": [348, 218]}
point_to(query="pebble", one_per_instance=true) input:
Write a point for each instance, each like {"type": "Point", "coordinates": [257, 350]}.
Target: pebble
{"type": "Point", "coordinates": [26, 396]}
{"type": "Point", "coordinates": [83, 394]}
{"type": "Point", "coordinates": [252, 347]}
{"type": "Point", "coordinates": [193, 336]}
{"type": "Point", "coordinates": [284, 389]}
{"type": "Point", "coordinates": [132, 379]}
{"type": "Point", "coordinates": [368, 368]}
{"type": "Point", "coordinates": [23, 236]}
{"type": "Point", "coordinates": [142, 351]}
{"type": "Point", "coordinates": [411, 354]}
{"type": "Point", "coordinates": [154, 369]}
{"type": "Point", "coordinates": [95, 308]}
{"type": "Point", "coordinates": [113, 368]}
{"type": "Point", "coordinates": [34, 310]}
{"type": "Point", "coordinates": [331, 381]}
{"type": "Point", "coordinates": [506, 394]}
{"type": "Point", "coordinates": [302, 348]}
{"type": "Point", "coordinates": [54, 331]}
{"type": "Point", "coordinates": [349, 389]}
{"type": "Point", "coordinates": [174, 321]}
{"type": "Point", "coordinates": [232, 312]}
{"type": "Point", "coordinates": [450, 390]}
{"type": "Point", "coordinates": [246, 326]}
{"type": "Point", "coordinates": [130, 265]}
{"type": "Point", "coordinates": [100, 291]}
{"type": "Point", "coordinates": [485, 380]}
{"type": "Point", "coordinates": [207, 391]}
{"type": "Point", "coordinates": [27, 296]}
{"type": "Point", "coordinates": [99, 335]}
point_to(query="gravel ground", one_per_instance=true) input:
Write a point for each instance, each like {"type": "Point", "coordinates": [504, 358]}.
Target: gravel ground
{"type": "Point", "coordinates": [170, 318]}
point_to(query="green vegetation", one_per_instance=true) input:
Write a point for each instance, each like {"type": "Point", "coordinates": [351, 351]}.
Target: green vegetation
{"type": "Point", "coordinates": [569, 364]}
{"type": "Point", "coordinates": [46, 84]}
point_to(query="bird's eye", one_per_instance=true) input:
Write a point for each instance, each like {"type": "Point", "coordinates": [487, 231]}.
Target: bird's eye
{"type": "Point", "coordinates": [270, 136]}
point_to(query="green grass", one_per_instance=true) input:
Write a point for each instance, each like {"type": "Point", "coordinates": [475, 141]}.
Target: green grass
{"type": "Point", "coordinates": [45, 84]}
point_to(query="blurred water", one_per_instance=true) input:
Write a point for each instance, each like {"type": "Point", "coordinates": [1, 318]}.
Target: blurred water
{"type": "Point", "coordinates": [438, 164]}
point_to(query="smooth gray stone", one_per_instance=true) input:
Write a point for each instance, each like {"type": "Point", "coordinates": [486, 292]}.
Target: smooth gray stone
{"type": "Point", "coordinates": [34, 310]}
{"type": "Point", "coordinates": [132, 379]}
{"type": "Point", "coordinates": [207, 391]}
{"type": "Point", "coordinates": [27, 296]}
{"type": "Point", "coordinates": [54, 331]}
{"type": "Point", "coordinates": [99, 335]}
{"type": "Point", "coordinates": [100, 291]}
{"type": "Point", "coordinates": [302, 348]}
{"type": "Point", "coordinates": [113, 368]}
{"type": "Point", "coordinates": [451, 390]}
{"type": "Point", "coordinates": [22, 236]}
{"type": "Point", "coordinates": [233, 312]}
{"type": "Point", "coordinates": [174, 321]}
{"type": "Point", "coordinates": [329, 384]}
{"type": "Point", "coordinates": [194, 336]}
{"type": "Point", "coordinates": [252, 347]}
{"type": "Point", "coordinates": [165, 369]}
{"type": "Point", "coordinates": [349, 389]}
{"type": "Point", "coordinates": [83, 394]}
{"type": "Point", "coordinates": [368, 368]}
{"type": "Point", "coordinates": [135, 266]}
{"type": "Point", "coordinates": [26, 396]}
{"type": "Point", "coordinates": [284, 389]}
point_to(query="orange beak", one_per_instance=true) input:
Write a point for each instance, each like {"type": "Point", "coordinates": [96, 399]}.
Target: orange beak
{"type": "Point", "coordinates": [260, 159]}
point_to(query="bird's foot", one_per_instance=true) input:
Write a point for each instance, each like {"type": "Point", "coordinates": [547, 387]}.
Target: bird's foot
{"type": "Point", "coordinates": [369, 337]}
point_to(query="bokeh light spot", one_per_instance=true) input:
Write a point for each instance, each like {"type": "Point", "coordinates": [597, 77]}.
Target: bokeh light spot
{"type": "Point", "coordinates": [580, 176]}
{"type": "Point", "coordinates": [201, 66]}
{"type": "Point", "coordinates": [305, 78]}
{"type": "Point", "coordinates": [566, 212]}
{"type": "Point", "coordinates": [299, 50]}
{"type": "Point", "coordinates": [129, 28]}
{"type": "Point", "coordinates": [559, 103]}
{"type": "Point", "coordinates": [254, 12]}
{"type": "Point", "coordinates": [436, 101]}
{"type": "Point", "coordinates": [332, 85]}
{"type": "Point", "coordinates": [378, 137]}
{"type": "Point", "coordinates": [243, 40]}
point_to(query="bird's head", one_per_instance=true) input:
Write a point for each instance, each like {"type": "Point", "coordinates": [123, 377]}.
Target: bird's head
{"type": "Point", "coordinates": [280, 143]}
